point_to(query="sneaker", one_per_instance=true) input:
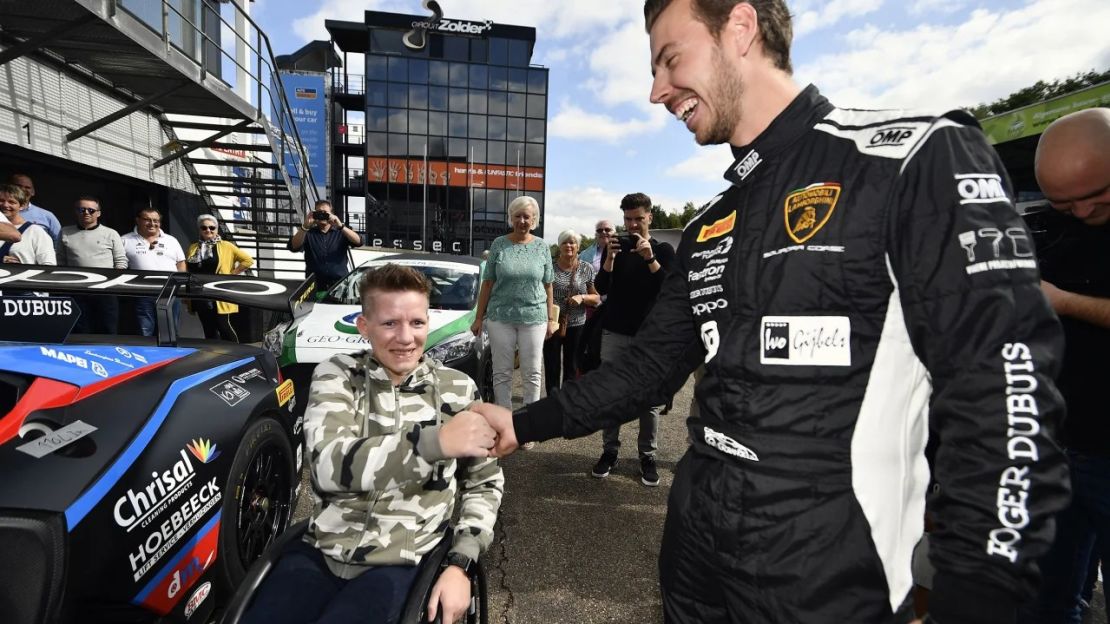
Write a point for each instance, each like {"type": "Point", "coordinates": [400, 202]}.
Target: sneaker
{"type": "Point", "coordinates": [604, 465]}
{"type": "Point", "coordinates": [649, 474]}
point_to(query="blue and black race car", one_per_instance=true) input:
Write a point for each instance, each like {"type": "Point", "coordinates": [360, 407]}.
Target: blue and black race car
{"type": "Point", "coordinates": [139, 478]}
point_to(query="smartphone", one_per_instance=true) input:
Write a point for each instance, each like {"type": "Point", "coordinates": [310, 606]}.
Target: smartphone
{"type": "Point", "coordinates": [628, 242]}
{"type": "Point", "coordinates": [321, 215]}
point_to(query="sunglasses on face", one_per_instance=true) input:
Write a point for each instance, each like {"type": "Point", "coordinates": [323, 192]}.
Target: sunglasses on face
{"type": "Point", "coordinates": [209, 228]}
{"type": "Point", "coordinates": [88, 210]}
{"type": "Point", "coordinates": [603, 231]}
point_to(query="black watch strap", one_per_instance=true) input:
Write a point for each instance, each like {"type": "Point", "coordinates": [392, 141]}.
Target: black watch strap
{"type": "Point", "coordinates": [462, 561]}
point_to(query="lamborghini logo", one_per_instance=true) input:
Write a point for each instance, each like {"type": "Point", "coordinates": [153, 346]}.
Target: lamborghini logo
{"type": "Point", "coordinates": [718, 228]}
{"type": "Point", "coordinates": [807, 210]}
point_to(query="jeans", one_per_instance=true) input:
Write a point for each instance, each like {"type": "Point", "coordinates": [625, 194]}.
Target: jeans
{"type": "Point", "coordinates": [301, 589]}
{"type": "Point", "coordinates": [99, 314]}
{"type": "Point", "coordinates": [555, 346]}
{"type": "Point", "coordinates": [505, 340]}
{"type": "Point", "coordinates": [146, 311]}
{"type": "Point", "coordinates": [613, 348]}
{"type": "Point", "coordinates": [1080, 528]}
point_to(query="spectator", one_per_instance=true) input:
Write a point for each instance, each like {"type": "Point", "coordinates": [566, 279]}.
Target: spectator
{"type": "Point", "coordinates": [573, 290]}
{"type": "Point", "coordinates": [630, 282]}
{"type": "Point", "coordinates": [1072, 166]}
{"type": "Point", "coordinates": [213, 255]}
{"type": "Point", "coordinates": [8, 232]}
{"type": "Point", "coordinates": [34, 246]}
{"type": "Point", "coordinates": [89, 244]}
{"type": "Point", "coordinates": [603, 231]}
{"type": "Point", "coordinates": [148, 248]}
{"type": "Point", "coordinates": [384, 430]}
{"type": "Point", "coordinates": [516, 302]}
{"type": "Point", "coordinates": [325, 241]}
{"type": "Point", "coordinates": [843, 301]}
{"type": "Point", "coordinates": [35, 214]}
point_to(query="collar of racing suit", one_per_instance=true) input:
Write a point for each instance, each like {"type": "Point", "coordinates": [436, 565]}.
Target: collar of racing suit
{"type": "Point", "coordinates": [794, 121]}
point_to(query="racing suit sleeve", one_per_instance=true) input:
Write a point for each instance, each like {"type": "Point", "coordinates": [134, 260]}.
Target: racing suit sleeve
{"type": "Point", "coordinates": [963, 265]}
{"type": "Point", "coordinates": [342, 457]}
{"type": "Point", "coordinates": [666, 350]}
{"type": "Point", "coordinates": [482, 486]}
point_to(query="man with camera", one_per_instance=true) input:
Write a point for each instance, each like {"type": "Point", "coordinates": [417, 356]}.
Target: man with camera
{"type": "Point", "coordinates": [1073, 170]}
{"type": "Point", "coordinates": [325, 240]}
{"type": "Point", "coordinates": [632, 270]}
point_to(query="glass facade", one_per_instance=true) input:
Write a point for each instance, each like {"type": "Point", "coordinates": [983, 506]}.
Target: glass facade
{"type": "Point", "coordinates": [454, 132]}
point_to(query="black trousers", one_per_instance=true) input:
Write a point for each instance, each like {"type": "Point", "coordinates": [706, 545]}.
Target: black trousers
{"type": "Point", "coordinates": [99, 314]}
{"type": "Point", "coordinates": [567, 347]}
{"type": "Point", "coordinates": [215, 325]}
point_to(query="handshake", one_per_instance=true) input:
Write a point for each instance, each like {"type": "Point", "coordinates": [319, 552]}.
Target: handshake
{"type": "Point", "coordinates": [481, 430]}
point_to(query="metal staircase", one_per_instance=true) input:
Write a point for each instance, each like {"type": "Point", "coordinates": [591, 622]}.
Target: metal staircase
{"type": "Point", "coordinates": [206, 71]}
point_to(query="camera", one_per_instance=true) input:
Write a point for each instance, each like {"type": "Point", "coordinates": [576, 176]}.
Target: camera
{"type": "Point", "coordinates": [628, 242]}
{"type": "Point", "coordinates": [321, 215]}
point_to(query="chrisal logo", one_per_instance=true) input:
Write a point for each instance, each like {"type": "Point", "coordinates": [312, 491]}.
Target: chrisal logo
{"type": "Point", "coordinates": [718, 228]}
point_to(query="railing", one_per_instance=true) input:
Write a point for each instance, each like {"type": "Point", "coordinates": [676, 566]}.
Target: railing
{"type": "Point", "coordinates": [251, 55]}
{"type": "Point", "coordinates": [354, 180]}
{"type": "Point", "coordinates": [348, 84]}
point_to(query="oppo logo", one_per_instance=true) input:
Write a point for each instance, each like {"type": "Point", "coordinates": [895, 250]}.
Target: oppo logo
{"type": "Point", "coordinates": [709, 306]}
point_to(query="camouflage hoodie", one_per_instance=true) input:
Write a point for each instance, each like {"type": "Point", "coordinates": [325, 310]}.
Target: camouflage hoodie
{"type": "Point", "coordinates": [383, 489]}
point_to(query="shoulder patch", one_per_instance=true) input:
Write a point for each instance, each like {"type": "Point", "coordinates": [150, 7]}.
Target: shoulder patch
{"type": "Point", "coordinates": [891, 134]}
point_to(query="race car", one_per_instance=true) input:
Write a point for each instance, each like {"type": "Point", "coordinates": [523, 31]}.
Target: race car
{"type": "Point", "coordinates": [140, 477]}
{"type": "Point", "coordinates": [329, 329]}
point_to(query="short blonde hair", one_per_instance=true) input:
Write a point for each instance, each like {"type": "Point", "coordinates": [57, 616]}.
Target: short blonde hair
{"type": "Point", "coordinates": [522, 202]}
{"type": "Point", "coordinates": [568, 234]}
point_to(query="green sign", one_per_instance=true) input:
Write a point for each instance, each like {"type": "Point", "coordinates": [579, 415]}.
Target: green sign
{"type": "Point", "coordinates": [1031, 120]}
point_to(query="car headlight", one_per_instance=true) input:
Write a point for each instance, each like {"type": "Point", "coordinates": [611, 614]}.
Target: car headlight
{"type": "Point", "coordinates": [272, 340]}
{"type": "Point", "coordinates": [453, 348]}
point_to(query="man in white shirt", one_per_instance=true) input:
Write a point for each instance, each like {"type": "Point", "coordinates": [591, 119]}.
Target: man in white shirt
{"type": "Point", "coordinates": [148, 248]}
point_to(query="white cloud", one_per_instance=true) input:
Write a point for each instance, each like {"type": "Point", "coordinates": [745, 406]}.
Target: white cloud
{"type": "Point", "coordinates": [827, 14]}
{"type": "Point", "coordinates": [921, 7]}
{"type": "Point", "coordinates": [572, 122]}
{"type": "Point", "coordinates": [707, 163]}
{"type": "Point", "coordinates": [988, 55]}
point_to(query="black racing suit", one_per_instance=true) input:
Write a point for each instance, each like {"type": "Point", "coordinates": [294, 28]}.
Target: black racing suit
{"type": "Point", "coordinates": [864, 278]}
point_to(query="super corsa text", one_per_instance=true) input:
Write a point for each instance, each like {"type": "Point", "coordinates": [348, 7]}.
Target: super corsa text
{"type": "Point", "coordinates": [1023, 428]}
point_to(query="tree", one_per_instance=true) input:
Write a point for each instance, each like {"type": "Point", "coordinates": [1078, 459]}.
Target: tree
{"type": "Point", "coordinates": [663, 220]}
{"type": "Point", "coordinates": [1039, 92]}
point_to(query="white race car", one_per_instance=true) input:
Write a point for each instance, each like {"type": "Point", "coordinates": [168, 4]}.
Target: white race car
{"type": "Point", "coordinates": [304, 342]}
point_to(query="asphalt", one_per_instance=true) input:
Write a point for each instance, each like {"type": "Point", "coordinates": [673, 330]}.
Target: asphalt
{"type": "Point", "coordinates": [573, 548]}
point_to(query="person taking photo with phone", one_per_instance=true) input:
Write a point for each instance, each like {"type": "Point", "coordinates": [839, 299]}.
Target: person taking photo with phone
{"type": "Point", "coordinates": [324, 240]}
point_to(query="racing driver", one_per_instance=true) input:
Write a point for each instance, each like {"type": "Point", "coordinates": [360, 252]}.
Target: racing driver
{"type": "Point", "coordinates": [864, 282]}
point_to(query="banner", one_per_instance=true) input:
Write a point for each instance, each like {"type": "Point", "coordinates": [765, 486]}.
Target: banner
{"type": "Point", "coordinates": [411, 171]}
{"type": "Point", "coordinates": [305, 93]}
{"type": "Point", "coordinates": [1033, 119]}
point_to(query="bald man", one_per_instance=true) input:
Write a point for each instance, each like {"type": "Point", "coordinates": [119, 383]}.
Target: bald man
{"type": "Point", "coordinates": [1073, 171]}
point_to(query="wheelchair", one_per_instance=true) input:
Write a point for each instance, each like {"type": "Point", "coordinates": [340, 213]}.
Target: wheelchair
{"type": "Point", "coordinates": [415, 609]}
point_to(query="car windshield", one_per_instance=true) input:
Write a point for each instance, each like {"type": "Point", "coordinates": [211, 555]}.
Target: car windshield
{"type": "Point", "coordinates": [453, 288]}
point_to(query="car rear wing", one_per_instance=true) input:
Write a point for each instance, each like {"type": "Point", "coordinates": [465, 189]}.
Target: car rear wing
{"type": "Point", "coordinates": [292, 296]}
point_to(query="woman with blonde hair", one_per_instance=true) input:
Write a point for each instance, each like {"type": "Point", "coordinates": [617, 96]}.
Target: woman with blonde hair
{"type": "Point", "coordinates": [515, 303]}
{"type": "Point", "coordinates": [573, 289]}
{"type": "Point", "coordinates": [212, 255]}
{"type": "Point", "coordinates": [35, 245]}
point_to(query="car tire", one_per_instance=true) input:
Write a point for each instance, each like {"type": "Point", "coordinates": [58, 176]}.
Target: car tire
{"type": "Point", "coordinates": [257, 501]}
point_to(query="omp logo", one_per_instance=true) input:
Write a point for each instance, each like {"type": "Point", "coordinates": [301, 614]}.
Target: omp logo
{"type": "Point", "coordinates": [709, 306]}
{"type": "Point", "coordinates": [889, 137]}
{"type": "Point", "coordinates": [980, 188]}
{"type": "Point", "coordinates": [347, 324]}
{"type": "Point", "coordinates": [745, 167]}
{"type": "Point", "coordinates": [721, 249]}
{"type": "Point", "coordinates": [727, 445]}
{"type": "Point", "coordinates": [204, 450]}
{"type": "Point", "coordinates": [805, 341]}
{"type": "Point", "coordinates": [711, 339]}
{"type": "Point", "coordinates": [717, 228]}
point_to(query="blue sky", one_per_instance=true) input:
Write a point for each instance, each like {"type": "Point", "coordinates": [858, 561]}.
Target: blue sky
{"type": "Point", "coordinates": [605, 139]}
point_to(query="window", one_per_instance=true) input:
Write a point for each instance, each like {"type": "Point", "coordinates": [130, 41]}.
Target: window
{"type": "Point", "coordinates": [456, 124]}
{"type": "Point", "coordinates": [437, 147]}
{"type": "Point", "coordinates": [417, 145]}
{"type": "Point", "coordinates": [537, 106]}
{"type": "Point", "coordinates": [497, 128]}
{"type": "Point", "coordinates": [375, 67]}
{"type": "Point", "coordinates": [477, 101]}
{"type": "Point", "coordinates": [398, 145]}
{"type": "Point", "coordinates": [460, 75]}
{"type": "Point", "coordinates": [519, 54]}
{"type": "Point", "coordinates": [533, 155]}
{"type": "Point", "coordinates": [456, 148]}
{"type": "Point", "coordinates": [418, 71]}
{"type": "Point", "coordinates": [477, 151]}
{"type": "Point", "coordinates": [398, 69]}
{"type": "Point", "coordinates": [498, 51]}
{"type": "Point", "coordinates": [477, 127]}
{"type": "Point", "coordinates": [376, 143]}
{"type": "Point", "coordinates": [514, 154]}
{"type": "Point", "coordinates": [387, 41]}
{"type": "Point", "coordinates": [479, 76]}
{"type": "Point", "coordinates": [418, 96]}
{"type": "Point", "coordinates": [516, 129]}
{"type": "Point", "coordinates": [456, 48]}
{"type": "Point", "coordinates": [535, 131]}
{"type": "Point", "coordinates": [495, 152]}
{"type": "Point", "coordinates": [437, 98]}
{"type": "Point", "coordinates": [496, 204]}
{"type": "Point", "coordinates": [499, 78]}
{"type": "Point", "coordinates": [458, 100]}
{"type": "Point", "coordinates": [517, 104]}
{"type": "Point", "coordinates": [418, 122]}
{"type": "Point", "coordinates": [376, 119]}
{"type": "Point", "coordinates": [438, 73]}
{"type": "Point", "coordinates": [398, 94]}
{"type": "Point", "coordinates": [479, 51]}
{"type": "Point", "coordinates": [537, 80]}
{"type": "Point", "coordinates": [398, 120]}
{"type": "Point", "coordinates": [376, 93]}
{"type": "Point", "coordinates": [437, 124]}
{"type": "Point", "coordinates": [518, 79]}
{"type": "Point", "coordinates": [498, 103]}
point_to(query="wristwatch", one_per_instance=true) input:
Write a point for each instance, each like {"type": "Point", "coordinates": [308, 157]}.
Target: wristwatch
{"type": "Point", "coordinates": [458, 559]}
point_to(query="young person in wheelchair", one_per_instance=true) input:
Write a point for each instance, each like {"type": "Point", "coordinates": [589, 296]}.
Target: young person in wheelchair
{"type": "Point", "coordinates": [384, 430]}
